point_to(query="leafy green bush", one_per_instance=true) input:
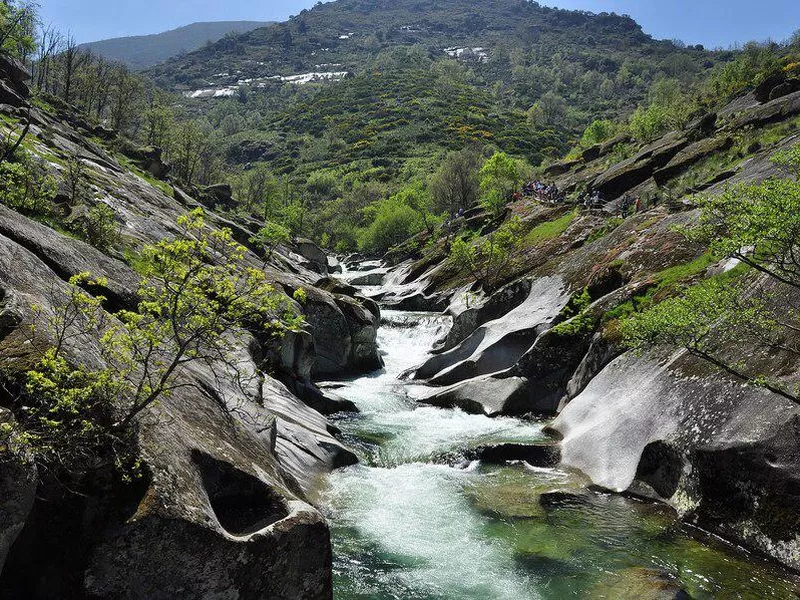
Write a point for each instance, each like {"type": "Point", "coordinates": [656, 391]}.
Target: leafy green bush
{"type": "Point", "coordinates": [500, 178]}
{"type": "Point", "coordinates": [749, 68]}
{"type": "Point", "coordinates": [393, 222]}
{"type": "Point", "coordinates": [197, 294]}
{"type": "Point", "coordinates": [489, 260]}
{"type": "Point", "coordinates": [757, 224]}
{"type": "Point", "coordinates": [25, 186]}
{"type": "Point", "coordinates": [270, 237]}
{"type": "Point", "coordinates": [597, 132]}
{"type": "Point", "coordinates": [102, 229]}
{"type": "Point", "coordinates": [669, 108]}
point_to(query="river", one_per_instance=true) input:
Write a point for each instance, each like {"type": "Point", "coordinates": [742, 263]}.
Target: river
{"type": "Point", "coordinates": [415, 520]}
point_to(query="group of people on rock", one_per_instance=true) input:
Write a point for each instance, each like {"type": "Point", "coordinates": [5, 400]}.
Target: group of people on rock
{"type": "Point", "coordinates": [591, 200]}
{"type": "Point", "coordinates": [588, 199]}
{"type": "Point", "coordinates": [548, 194]}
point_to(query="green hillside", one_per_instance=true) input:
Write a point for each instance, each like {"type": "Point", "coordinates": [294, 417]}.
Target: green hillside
{"type": "Point", "coordinates": [600, 65]}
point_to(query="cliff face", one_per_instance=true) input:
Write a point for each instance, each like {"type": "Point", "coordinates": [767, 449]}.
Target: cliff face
{"type": "Point", "coordinates": [667, 427]}
{"type": "Point", "coordinates": [225, 503]}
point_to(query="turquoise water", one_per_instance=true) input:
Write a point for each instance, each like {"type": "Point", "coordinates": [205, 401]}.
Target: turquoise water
{"type": "Point", "coordinates": [415, 521]}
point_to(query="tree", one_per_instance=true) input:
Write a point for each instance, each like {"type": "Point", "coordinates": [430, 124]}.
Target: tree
{"type": "Point", "coordinates": [101, 229]}
{"type": "Point", "coordinates": [758, 224]}
{"type": "Point", "coordinates": [259, 191]}
{"type": "Point", "coordinates": [49, 39]}
{"type": "Point", "coordinates": [159, 122]}
{"type": "Point", "coordinates": [489, 259]}
{"type": "Point", "coordinates": [27, 187]}
{"type": "Point", "coordinates": [124, 89]}
{"type": "Point", "coordinates": [17, 29]}
{"type": "Point", "coordinates": [500, 178]}
{"type": "Point", "coordinates": [549, 110]}
{"type": "Point", "coordinates": [188, 144]}
{"type": "Point", "coordinates": [668, 108]}
{"type": "Point", "coordinates": [417, 198]}
{"type": "Point", "coordinates": [270, 237]}
{"type": "Point", "coordinates": [456, 185]}
{"type": "Point", "coordinates": [198, 296]}
{"type": "Point", "coordinates": [391, 222]}
{"type": "Point", "coordinates": [71, 59]}
{"type": "Point", "coordinates": [76, 181]}
{"type": "Point", "coordinates": [598, 131]}
{"type": "Point", "coordinates": [706, 321]}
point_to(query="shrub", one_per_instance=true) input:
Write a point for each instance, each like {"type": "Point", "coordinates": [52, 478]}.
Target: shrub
{"type": "Point", "coordinates": [489, 259]}
{"type": "Point", "coordinates": [26, 187]}
{"type": "Point", "coordinates": [669, 108]}
{"type": "Point", "coordinates": [393, 222]}
{"type": "Point", "coordinates": [598, 131]}
{"type": "Point", "coordinates": [270, 237]}
{"type": "Point", "coordinates": [500, 178]}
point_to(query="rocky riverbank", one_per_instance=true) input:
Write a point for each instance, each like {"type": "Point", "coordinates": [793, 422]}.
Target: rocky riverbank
{"type": "Point", "coordinates": [665, 427]}
{"type": "Point", "coordinates": [225, 502]}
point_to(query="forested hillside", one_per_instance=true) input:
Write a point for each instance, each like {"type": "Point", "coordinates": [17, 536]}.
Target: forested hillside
{"type": "Point", "coordinates": [599, 64]}
{"type": "Point", "coordinates": [351, 102]}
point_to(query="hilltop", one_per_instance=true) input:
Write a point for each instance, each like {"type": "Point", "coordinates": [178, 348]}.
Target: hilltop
{"type": "Point", "coordinates": [600, 64]}
{"type": "Point", "coordinates": [143, 51]}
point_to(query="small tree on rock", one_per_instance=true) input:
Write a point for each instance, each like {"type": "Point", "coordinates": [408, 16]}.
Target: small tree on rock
{"type": "Point", "coordinates": [489, 259]}
{"type": "Point", "coordinates": [198, 296]}
{"type": "Point", "coordinates": [500, 178]}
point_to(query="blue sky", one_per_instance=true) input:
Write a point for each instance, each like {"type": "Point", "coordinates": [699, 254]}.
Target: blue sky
{"type": "Point", "coordinates": [709, 22]}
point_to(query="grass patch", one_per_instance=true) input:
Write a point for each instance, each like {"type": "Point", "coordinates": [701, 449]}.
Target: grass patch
{"type": "Point", "coordinates": [669, 277]}
{"type": "Point", "coordinates": [549, 230]}
{"type": "Point", "coordinates": [666, 282]}
{"type": "Point", "coordinates": [133, 258]}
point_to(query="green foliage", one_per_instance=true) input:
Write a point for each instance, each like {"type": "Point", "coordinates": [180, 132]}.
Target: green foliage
{"type": "Point", "coordinates": [293, 216]}
{"type": "Point", "coordinates": [300, 295]}
{"type": "Point", "coordinates": [392, 221]}
{"type": "Point", "coordinates": [669, 108]}
{"type": "Point", "coordinates": [17, 28]}
{"type": "Point", "coordinates": [500, 178]}
{"type": "Point", "coordinates": [747, 69]}
{"type": "Point", "coordinates": [270, 237]}
{"type": "Point", "coordinates": [758, 224]}
{"type": "Point", "coordinates": [197, 296]}
{"type": "Point", "coordinates": [101, 229]}
{"type": "Point", "coordinates": [490, 259]}
{"type": "Point", "coordinates": [705, 319]}
{"type": "Point", "coordinates": [418, 199]}
{"type": "Point", "coordinates": [575, 318]}
{"type": "Point", "coordinates": [75, 180]}
{"type": "Point", "coordinates": [789, 159]}
{"type": "Point", "coordinates": [667, 283]}
{"type": "Point", "coordinates": [25, 186]}
{"type": "Point", "coordinates": [550, 229]}
{"type": "Point", "coordinates": [455, 185]}
{"type": "Point", "coordinates": [597, 132]}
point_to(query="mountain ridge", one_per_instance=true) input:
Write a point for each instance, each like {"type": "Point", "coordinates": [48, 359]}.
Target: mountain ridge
{"type": "Point", "coordinates": [143, 51]}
